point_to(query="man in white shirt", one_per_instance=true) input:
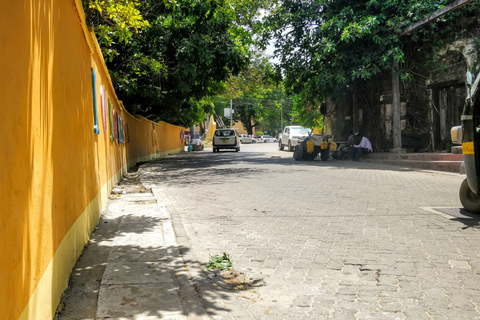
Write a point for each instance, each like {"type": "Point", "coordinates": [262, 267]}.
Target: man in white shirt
{"type": "Point", "coordinates": [364, 147]}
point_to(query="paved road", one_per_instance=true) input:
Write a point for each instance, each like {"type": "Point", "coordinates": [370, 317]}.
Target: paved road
{"type": "Point", "coordinates": [308, 240]}
{"type": "Point", "coordinates": [323, 240]}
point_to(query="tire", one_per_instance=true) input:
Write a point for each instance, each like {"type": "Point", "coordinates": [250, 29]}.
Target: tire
{"type": "Point", "coordinates": [280, 145]}
{"type": "Point", "coordinates": [298, 152]}
{"type": "Point", "coordinates": [215, 150]}
{"type": "Point", "coordinates": [238, 149]}
{"type": "Point", "coordinates": [290, 148]}
{"type": "Point", "coordinates": [470, 201]}
{"type": "Point", "coordinates": [324, 155]}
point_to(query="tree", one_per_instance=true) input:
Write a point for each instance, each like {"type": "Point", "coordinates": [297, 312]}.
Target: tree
{"type": "Point", "coordinates": [172, 68]}
{"type": "Point", "coordinates": [256, 99]}
{"type": "Point", "coordinates": [114, 21]}
{"type": "Point", "coordinates": [326, 46]}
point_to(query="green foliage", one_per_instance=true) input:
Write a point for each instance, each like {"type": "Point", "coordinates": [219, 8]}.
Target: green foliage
{"type": "Point", "coordinates": [257, 101]}
{"type": "Point", "coordinates": [324, 46]}
{"type": "Point", "coordinates": [171, 70]}
{"type": "Point", "coordinates": [306, 113]}
{"type": "Point", "coordinates": [114, 21]}
{"type": "Point", "coordinates": [169, 58]}
{"type": "Point", "coordinates": [217, 263]}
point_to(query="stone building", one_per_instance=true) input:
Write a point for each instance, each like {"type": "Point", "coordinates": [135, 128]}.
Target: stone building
{"type": "Point", "coordinates": [431, 102]}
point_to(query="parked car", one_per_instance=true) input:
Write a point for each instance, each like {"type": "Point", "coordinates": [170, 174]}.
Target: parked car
{"type": "Point", "coordinates": [247, 139]}
{"type": "Point", "coordinates": [292, 136]}
{"type": "Point", "coordinates": [266, 139]}
{"type": "Point", "coordinates": [197, 144]}
{"type": "Point", "coordinates": [226, 139]}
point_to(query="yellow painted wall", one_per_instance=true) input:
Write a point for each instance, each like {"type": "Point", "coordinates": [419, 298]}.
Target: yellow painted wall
{"type": "Point", "coordinates": [211, 129]}
{"type": "Point", "coordinates": [240, 128]}
{"type": "Point", "coordinates": [56, 173]}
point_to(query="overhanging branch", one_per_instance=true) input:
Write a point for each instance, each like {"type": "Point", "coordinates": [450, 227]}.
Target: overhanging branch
{"type": "Point", "coordinates": [437, 14]}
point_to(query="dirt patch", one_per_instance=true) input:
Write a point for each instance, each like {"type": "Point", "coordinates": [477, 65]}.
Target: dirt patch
{"type": "Point", "coordinates": [238, 281]}
{"type": "Point", "coordinates": [130, 182]}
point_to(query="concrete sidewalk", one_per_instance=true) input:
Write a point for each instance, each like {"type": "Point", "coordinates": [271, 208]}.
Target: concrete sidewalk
{"type": "Point", "coordinates": [133, 268]}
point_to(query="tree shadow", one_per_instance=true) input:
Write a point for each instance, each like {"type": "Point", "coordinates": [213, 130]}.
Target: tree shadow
{"type": "Point", "coordinates": [195, 167]}
{"type": "Point", "coordinates": [129, 269]}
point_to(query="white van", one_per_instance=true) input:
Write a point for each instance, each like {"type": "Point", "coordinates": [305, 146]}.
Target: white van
{"type": "Point", "coordinates": [226, 139]}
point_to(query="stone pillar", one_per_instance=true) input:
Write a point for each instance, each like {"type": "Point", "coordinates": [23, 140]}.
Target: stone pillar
{"type": "Point", "coordinates": [356, 124]}
{"type": "Point", "coordinates": [396, 112]}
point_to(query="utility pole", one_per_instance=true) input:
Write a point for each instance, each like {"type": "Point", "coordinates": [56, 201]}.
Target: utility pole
{"type": "Point", "coordinates": [231, 113]}
{"type": "Point", "coordinates": [397, 124]}
{"type": "Point", "coordinates": [281, 117]}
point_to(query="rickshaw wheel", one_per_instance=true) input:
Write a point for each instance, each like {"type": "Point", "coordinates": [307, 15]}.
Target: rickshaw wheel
{"type": "Point", "coordinates": [324, 155]}
{"type": "Point", "coordinates": [298, 152]}
{"type": "Point", "coordinates": [469, 200]}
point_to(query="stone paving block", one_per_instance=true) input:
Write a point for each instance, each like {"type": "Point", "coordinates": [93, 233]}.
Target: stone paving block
{"type": "Point", "coordinates": [140, 254]}
{"type": "Point", "coordinates": [344, 314]}
{"type": "Point", "coordinates": [453, 313]}
{"type": "Point", "coordinates": [353, 305]}
{"type": "Point", "coordinates": [303, 301]}
{"type": "Point", "coordinates": [378, 226]}
{"type": "Point", "coordinates": [416, 313]}
{"type": "Point", "coordinates": [141, 317]}
{"type": "Point", "coordinates": [376, 315]}
{"type": "Point", "coordinates": [388, 280]}
{"type": "Point", "coordinates": [135, 300]}
{"type": "Point", "coordinates": [347, 290]}
{"type": "Point", "coordinates": [137, 272]}
{"type": "Point", "coordinates": [140, 239]}
{"type": "Point", "coordinates": [394, 307]}
{"type": "Point", "coordinates": [416, 295]}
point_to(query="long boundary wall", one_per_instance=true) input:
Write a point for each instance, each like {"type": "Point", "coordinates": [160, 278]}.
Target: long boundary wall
{"type": "Point", "coordinates": [65, 140]}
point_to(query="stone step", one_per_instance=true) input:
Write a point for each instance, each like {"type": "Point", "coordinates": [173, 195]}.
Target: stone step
{"type": "Point", "coordinates": [416, 156]}
{"type": "Point", "coordinates": [448, 166]}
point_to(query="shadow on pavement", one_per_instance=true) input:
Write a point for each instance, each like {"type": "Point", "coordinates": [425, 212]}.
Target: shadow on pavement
{"type": "Point", "coordinates": [469, 219]}
{"type": "Point", "coordinates": [194, 167]}
{"type": "Point", "coordinates": [127, 269]}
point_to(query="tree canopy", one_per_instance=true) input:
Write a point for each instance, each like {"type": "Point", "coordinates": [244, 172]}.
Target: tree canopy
{"type": "Point", "coordinates": [256, 99]}
{"type": "Point", "coordinates": [325, 45]}
{"type": "Point", "coordinates": [168, 59]}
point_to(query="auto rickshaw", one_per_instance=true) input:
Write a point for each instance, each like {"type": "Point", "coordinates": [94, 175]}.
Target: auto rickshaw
{"type": "Point", "coordinates": [315, 144]}
{"type": "Point", "coordinates": [468, 135]}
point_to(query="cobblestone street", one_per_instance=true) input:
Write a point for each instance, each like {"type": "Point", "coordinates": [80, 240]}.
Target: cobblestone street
{"type": "Point", "coordinates": [323, 240]}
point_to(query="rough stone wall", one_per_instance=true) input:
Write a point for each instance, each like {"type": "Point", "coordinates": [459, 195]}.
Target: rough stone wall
{"type": "Point", "coordinates": [430, 104]}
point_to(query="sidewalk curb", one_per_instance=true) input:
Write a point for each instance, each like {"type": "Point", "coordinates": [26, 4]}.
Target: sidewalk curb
{"type": "Point", "coordinates": [218, 305]}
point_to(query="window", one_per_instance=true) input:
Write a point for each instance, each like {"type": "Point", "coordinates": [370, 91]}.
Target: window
{"type": "Point", "coordinates": [95, 112]}
{"type": "Point", "coordinates": [110, 117]}
{"type": "Point", "coordinates": [224, 133]}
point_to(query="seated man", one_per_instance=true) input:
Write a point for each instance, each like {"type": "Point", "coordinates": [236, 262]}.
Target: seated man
{"type": "Point", "coordinates": [349, 145]}
{"type": "Point", "coordinates": [363, 147]}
